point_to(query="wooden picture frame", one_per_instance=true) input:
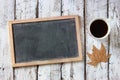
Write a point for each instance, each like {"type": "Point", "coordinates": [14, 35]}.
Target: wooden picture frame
{"type": "Point", "coordinates": [42, 62]}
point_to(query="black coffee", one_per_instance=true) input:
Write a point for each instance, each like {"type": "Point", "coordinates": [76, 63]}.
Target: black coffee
{"type": "Point", "coordinates": [99, 28]}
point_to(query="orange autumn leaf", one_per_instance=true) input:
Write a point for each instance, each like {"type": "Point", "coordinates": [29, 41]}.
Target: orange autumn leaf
{"type": "Point", "coordinates": [98, 55]}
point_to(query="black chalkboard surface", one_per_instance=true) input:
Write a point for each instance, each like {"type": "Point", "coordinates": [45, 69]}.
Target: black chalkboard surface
{"type": "Point", "coordinates": [45, 41]}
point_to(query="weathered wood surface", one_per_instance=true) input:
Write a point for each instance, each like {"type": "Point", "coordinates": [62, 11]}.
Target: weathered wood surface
{"type": "Point", "coordinates": [74, 71]}
{"type": "Point", "coordinates": [25, 9]}
{"type": "Point", "coordinates": [6, 14]}
{"type": "Point", "coordinates": [114, 63]}
{"type": "Point", "coordinates": [95, 9]}
{"type": "Point", "coordinates": [49, 8]}
{"type": "Point", "coordinates": [88, 10]}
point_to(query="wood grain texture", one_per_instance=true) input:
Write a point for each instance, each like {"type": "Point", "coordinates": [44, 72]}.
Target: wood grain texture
{"type": "Point", "coordinates": [114, 63]}
{"type": "Point", "coordinates": [25, 9]}
{"type": "Point", "coordinates": [74, 71]}
{"type": "Point", "coordinates": [71, 71]}
{"type": "Point", "coordinates": [47, 8]}
{"type": "Point", "coordinates": [6, 70]}
{"type": "Point", "coordinates": [95, 9]}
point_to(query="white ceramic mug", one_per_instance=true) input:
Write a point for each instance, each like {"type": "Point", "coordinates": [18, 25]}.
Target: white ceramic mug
{"type": "Point", "coordinates": [99, 28]}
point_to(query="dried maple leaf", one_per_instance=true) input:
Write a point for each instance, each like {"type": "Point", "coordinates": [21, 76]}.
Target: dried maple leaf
{"type": "Point", "coordinates": [98, 55]}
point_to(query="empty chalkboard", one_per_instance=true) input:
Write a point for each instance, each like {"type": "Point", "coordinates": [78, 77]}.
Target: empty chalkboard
{"type": "Point", "coordinates": [45, 41]}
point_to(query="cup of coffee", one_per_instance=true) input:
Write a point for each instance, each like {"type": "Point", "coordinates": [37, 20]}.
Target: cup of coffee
{"type": "Point", "coordinates": [99, 28]}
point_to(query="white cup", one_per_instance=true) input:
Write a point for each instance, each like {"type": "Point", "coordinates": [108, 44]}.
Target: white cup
{"type": "Point", "coordinates": [99, 28]}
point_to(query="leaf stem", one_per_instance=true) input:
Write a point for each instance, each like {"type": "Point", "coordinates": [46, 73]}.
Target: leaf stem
{"type": "Point", "coordinates": [101, 66]}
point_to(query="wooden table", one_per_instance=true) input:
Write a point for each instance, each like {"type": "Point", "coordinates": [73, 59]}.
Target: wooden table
{"type": "Point", "coordinates": [88, 10]}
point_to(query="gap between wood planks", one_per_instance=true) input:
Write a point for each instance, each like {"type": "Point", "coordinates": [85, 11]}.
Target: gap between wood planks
{"type": "Point", "coordinates": [84, 14]}
{"type": "Point", "coordinates": [14, 19]}
{"type": "Point", "coordinates": [108, 41]}
{"type": "Point", "coordinates": [37, 12]}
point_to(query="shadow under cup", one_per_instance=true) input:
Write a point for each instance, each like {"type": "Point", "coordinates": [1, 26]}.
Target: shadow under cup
{"type": "Point", "coordinates": [99, 28]}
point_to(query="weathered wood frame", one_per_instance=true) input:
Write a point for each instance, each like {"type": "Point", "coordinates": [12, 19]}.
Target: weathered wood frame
{"type": "Point", "coordinates": [77, 22]}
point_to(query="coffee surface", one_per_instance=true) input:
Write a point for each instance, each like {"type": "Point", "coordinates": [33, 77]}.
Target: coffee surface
{"type": "Point", "coordinates": [99, 28]}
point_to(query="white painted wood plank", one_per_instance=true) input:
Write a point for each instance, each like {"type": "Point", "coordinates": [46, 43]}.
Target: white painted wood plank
{"type": "Point", "coordinates": [6, 14]}
{"type": "Point", "coordinates": [49, 8]}
{"type": "Point", "coordinates": [114, 14]}
{"type": "Point", "coordinates": [74, 71]}
{"type": "Point", "coordinates": [25, 9]}
{"type": "Point", "coordinates": [95, 8]}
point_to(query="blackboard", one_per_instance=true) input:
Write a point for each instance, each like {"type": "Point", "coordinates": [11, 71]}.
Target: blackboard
{"type": "Point", "coordinates": [45, 41]}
